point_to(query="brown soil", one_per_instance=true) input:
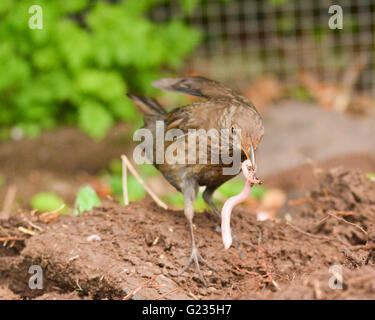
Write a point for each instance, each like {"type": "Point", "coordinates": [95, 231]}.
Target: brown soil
{"type": "Point", "coordinates": [143, 246]}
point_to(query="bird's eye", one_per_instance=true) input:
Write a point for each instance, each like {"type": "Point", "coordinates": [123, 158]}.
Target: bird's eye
{"type": "Point", "coordinates": [232, 129]}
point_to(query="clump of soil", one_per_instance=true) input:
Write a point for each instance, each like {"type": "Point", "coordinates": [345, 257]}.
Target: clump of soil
{"type": "Point", "coordinates": [143, 246]}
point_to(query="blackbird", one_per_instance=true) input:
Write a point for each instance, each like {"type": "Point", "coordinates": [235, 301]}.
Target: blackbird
{"type": "Point", "coordinates": [222, 108]}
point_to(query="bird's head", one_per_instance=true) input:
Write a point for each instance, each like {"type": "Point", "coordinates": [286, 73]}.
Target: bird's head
{"type": "Point", "coordinates": [246, 132]}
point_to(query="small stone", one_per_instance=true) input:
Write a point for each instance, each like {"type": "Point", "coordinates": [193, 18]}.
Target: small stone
{"type": "Point", "coordinates": [173, 273]}
{"type": "Point", "coordinates": [203, 291]}
{"type": "Point", "coordinates": [93, 238]}
{"type": "Point", "coordinates": [211, 289]}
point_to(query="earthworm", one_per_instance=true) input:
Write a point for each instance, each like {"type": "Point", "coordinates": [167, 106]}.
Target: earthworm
{"type": "Point", "coordinates": [226, 211]}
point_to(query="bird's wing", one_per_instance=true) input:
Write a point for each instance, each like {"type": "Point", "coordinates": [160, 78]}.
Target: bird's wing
{"type": "Point", "coordinates": [147, 105]}
{"type": "Point", "coordinates": [195, 86]}
{"type": "Point", "coordinates": [200, 115]}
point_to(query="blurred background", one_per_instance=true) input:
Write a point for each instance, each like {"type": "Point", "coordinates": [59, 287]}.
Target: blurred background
{"type": "Point", "coordinates": [65, 119]}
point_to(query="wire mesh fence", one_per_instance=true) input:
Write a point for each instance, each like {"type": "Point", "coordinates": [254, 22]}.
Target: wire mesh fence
{"type": "Point", "coordinates": [244, 39]}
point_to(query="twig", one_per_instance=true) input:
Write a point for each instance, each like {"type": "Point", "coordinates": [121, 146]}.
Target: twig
{"type": "Point", "coordinates": [125, 182]}
{"type": "Point", "coordinates": [344, 213]}
{"type": "Point", "coordinates": [167, 293]}
{"type": "Point", "coordinates": [140, 180]}
{"type": "Point", "coordinates": [300, 201]}
{"type": "Point", "coordinates": [9, 198]}
{"type": "Point", "coordinates": [317, 290]}
{"type": "Point", "coordinates": [252, 273]}
{"type": "Point", "coordinates": [51, 215]}
{"type": "Point", "coordinates": [5, 231]}
{"type": "Point", "coordinates": [310, 234]}
{"type": "Point", "coordinates": [9, 238]}
{"type": "Point", "coordinates": [265, 267]}
{"type": "Point", "coordinates": [325, 238]}
{"type": "Point", "coordinates": [33, 225]}
{"type": "Point", "coordinates": [6, 239]}
{"type": "Point", "coordinates": [193, 296]}
{"type": "Point", "coordinates": [147, 284]}
{"type": "Point", "coordinates": [26, 231]}
{"type": "Point", "coordinates": [350, 223]}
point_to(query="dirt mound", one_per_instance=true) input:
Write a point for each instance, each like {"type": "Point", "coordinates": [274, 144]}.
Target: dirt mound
{"type": "Point", "coordinates": [114, 250]}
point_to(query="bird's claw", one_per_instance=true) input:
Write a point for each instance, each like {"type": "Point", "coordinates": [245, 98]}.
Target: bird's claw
{"type": "Point", "coordinates": [196, 257]}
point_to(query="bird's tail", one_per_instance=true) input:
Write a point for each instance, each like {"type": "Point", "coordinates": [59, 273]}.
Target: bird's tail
{"type": "Point", "coordinates": [196, 86]}
{"type": "Point", "coordinates": [148, 106]}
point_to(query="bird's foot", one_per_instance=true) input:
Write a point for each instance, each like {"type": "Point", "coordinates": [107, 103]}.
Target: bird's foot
{"type": "Point", "coordinates": [196, 258]}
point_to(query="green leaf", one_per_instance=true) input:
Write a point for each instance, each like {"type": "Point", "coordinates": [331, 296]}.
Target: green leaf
{"type": "Point", "coordinates": [175, 199]}
{"type": "Point", "coordinates": [94, 119]}
{"type": "Point", "coordinates": [116, 166]}
{"type": "Point", "coordinates": [72, 6]}
{"type": "Point", "coordinates": [188, 6]}
{"type": "Point", "coordinates": [149, 170]}
{"type": "Point", "coordinates": [47, 201]}
{"type": "Point", "coordinates": [77, 69]}
{"type": "Point", "coordinates": [234, 187]}
{"type": "Point", "coordinates": [86, 200]}
{"type": "Point", "coordinates": [123, 109]}
{"type": "Point", "coordinates": [258, 191]}
{"type": "Point", "coordinates": [136, 190]}
{"type": "Point", "coordinates": [231, 188]}
{"type": "Point", "coordinates": [107, 85]}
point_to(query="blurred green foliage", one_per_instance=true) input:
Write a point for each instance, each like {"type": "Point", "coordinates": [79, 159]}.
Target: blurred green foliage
{"type": "Point", "coordinates": [176, 199]}
{"type": "Point", "coordinates": [86, 200]}
{"type": "Point", "coordinates": [48, 201]}
{"type": "Point", "coordinates": [77, 69]}
{"type": "Point", "coordinates": [235, 186]}
{"type": "Point", "coordinates": [113, 178]}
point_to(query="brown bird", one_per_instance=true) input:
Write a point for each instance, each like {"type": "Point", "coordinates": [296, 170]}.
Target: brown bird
{"type": "Point", "coordinates": [222, 108]}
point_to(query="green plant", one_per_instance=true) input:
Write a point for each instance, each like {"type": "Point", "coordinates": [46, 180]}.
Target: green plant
{"type": "Point", "coordinates": [86, 200]}
{"type": "Point", "coordinates": [48, 201]}
{"type": "Point", "coordinates": [77, 69]}
{"type": "Point", "coordinates": [113, 178]}
{"type": "Point", "coordinates": [176, 199]}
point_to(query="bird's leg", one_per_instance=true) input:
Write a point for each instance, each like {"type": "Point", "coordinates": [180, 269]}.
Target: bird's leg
{"type": "Point", "coordinates": [189, 196]}
{"type": "Point", "coordinates": [207, 197]}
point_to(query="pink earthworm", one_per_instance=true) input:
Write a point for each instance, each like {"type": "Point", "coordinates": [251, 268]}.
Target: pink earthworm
{"type": "Point", "coordinates": [226, 211]}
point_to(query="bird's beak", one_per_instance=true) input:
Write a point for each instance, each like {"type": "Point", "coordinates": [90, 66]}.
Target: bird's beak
{"type": "Point", "coordinates": [252, 155]}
